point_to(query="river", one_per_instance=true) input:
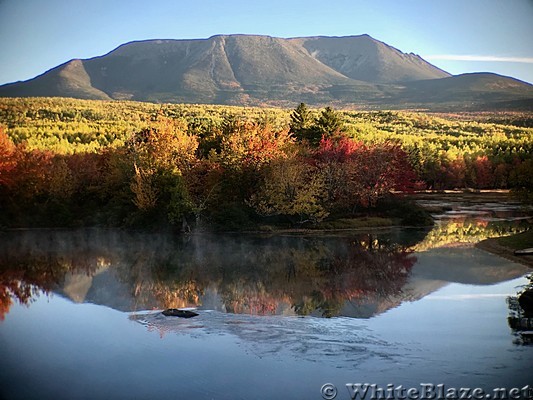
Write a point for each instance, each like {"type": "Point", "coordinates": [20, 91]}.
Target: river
{"type": "Point", "coordinates": [279, 315]}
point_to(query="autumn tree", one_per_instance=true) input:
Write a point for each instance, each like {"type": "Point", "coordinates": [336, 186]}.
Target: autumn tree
{"type": "Point", "coordinates": [335, 162]}
{"type": "Point", "coordinates": [252, 145]}
{"type": "Point", "coordinates": [160, 155]}
{"type": "Point", "coordinates": [382, 169]}
{"type": "Point", "coordinates": [7, 158]}
{"type": "Point", "coordinates": [291, 188]}
{"type": "Point", "coordinates": [358, 175]}
{"type": "Point", "coordinates": [522, 181]}
{"type": "Point", "coordinates": [453, 173]}
{"type": "Point", "coordinates": [483, 177]}
{"type": "Point", "coordinates": [245, 151]}
{"type": "Point", "coordinates": [165, 145]}
{"type": "Point", "coordinates": [203, 183]}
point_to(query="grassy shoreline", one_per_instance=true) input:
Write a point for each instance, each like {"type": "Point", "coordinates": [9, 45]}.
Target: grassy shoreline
{"type": "Point", "coordinates": [505, 247]}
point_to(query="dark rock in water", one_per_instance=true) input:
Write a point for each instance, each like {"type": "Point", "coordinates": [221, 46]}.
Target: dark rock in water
{"type": "Point", "coordinates": [174, 312]}
{"type": "Point", "coordinates": [526, 302]}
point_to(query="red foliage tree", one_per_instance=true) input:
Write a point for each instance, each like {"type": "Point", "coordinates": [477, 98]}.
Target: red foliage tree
{"type": "Point", "coordinates": [453, 173]}
{"type": "Point", "coordinates": [483, 170]}
{"type": "Point", "coordinates": [7, 158]}
{"type": "Point", "coordinates": [339, 151]}
{"type": "Point", "coordinates": [356, 174]}
{"type": "Point", "coordinates": [30, 175]}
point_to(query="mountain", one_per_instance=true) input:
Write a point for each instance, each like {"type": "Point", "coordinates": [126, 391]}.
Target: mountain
{"type": "Point", "coordinates": [477, 88]}
{"type": "Point", "coordinates": [67, 80]}
{"type": "Point", "coordinates": [259, 70]}
{"type": "Point", "coordinates": [366, 59]}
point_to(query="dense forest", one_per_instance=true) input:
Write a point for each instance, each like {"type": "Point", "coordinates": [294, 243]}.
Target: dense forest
{"type": "Point", "coordinates": [66, 162]}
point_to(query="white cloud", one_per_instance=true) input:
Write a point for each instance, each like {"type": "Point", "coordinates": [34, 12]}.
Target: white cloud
{"type": "Point", "coordinates": [458, 57]}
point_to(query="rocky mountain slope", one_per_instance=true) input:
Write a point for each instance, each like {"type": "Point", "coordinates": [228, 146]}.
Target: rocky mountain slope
{"type": "Point", "coordinates": [261, 70]}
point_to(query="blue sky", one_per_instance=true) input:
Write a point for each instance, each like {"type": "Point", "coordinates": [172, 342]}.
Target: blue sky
{"type": "Point", "coordinates": [456, 35]}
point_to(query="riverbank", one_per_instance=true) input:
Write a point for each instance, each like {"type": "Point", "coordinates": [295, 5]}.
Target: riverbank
{"type": "Point", "coordinates": [506, 246]}
{"type": "Point", "coordinates": [388, 213]}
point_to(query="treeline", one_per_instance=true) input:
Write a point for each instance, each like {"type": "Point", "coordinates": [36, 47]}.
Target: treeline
{"type": "Point", "coordinates": [446, 151]}
{"type": "Point", "coordinates": [164, 176]}
{"type": "Point", "coordinates": [187, 166]}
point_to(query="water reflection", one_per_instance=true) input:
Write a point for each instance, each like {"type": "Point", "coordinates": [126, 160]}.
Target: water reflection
{"type": "Point", "coordinates": [349, 274]}
{"type": "Point", "coordinates": [237, 274]}
{"type": "Point", "coordinates": [456, 335]}
{"type": "Point", "coordinates": [466, 223]}
{"type": "Point", "coordinates": [357, 275]}
{"type": "Point", "coordinates": [520, 317]}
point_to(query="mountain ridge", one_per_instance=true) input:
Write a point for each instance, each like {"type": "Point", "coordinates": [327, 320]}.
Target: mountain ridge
{"type": "Point", "coordinates": [346, 71]}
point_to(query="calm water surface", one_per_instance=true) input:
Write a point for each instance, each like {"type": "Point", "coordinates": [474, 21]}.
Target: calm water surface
{"type": "Point", "coordinates": [279, 315]}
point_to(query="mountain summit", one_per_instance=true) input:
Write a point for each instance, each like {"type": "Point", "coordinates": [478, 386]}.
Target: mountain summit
{"type": "Point", "coordinates": [257, 70]}
{"type": "Point", "coordinates": [366, 59]}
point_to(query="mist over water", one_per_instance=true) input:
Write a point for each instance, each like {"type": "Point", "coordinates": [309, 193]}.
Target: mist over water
{"type": "Point", "coordinates": [252, 274]}
{"type": "Point", "coordinates": [279, 315]}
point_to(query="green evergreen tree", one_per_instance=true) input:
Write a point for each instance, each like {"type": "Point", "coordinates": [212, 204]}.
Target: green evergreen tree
{"type": "Point", "coordinates": [301, 121]}
{"type": "Point", "coordinates": [329, 123]}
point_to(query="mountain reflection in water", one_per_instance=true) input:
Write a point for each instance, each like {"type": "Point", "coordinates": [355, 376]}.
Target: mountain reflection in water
{"type": "Point", "coordinates": [238, 274]}
{"type": "Point", "coordinates": [349, 274]}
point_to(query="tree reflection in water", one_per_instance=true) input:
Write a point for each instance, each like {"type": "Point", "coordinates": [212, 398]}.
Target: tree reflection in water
{"type": "Point", "coordinates": [468, 231]}
{"type": "Point", "coordinates": [233, 273]}
{"type": "Point", "coordinates": [519, 320]}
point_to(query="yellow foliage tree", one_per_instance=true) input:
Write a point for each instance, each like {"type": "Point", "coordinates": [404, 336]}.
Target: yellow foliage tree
{"type": "Point", "coordinates": [291, 188]}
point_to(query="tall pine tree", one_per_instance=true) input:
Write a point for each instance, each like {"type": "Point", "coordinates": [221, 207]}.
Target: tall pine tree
{"type": "Point", "coordinates": [329, 123]}
{"type": "Point", "coordinates": [301, 121]}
